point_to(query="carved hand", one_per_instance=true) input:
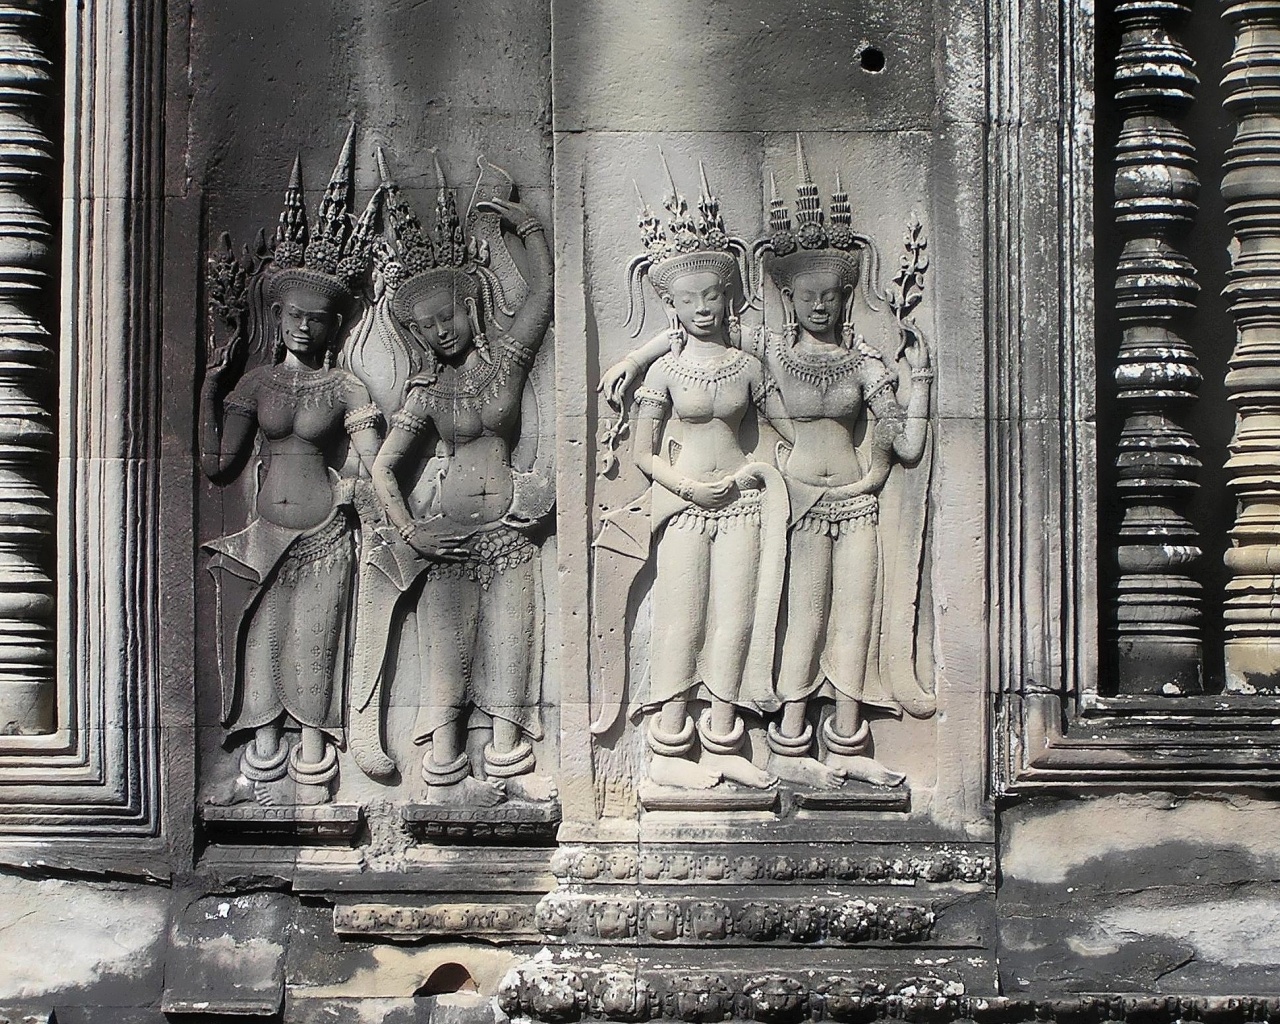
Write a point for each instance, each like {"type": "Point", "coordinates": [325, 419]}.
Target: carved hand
{"type": "Point", "coordinates": [518, 217]}
{"type": "Point", "coordinates": [914, 349]}
{"type": "Point", "coordinates": [717, 495]}
{"type": "Point", "coordinates": [617, 380]}
{"type": "Point", "coordinates": [436, 544]}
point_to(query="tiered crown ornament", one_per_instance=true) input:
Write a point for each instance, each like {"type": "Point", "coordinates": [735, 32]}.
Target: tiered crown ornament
{"type": "Point", "coordinates": [415, 262]}
{"type": "Point", "coordinates": [813, 244]}
{"type": "Point", "coordinates": [332, 257]}
{"type": "Point", "coordinates": [686, 244]}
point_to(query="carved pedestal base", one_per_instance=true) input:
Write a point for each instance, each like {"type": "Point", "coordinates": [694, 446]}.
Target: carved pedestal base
{"type": "Point", "coordinates": [855, 796]}
{"type": "Point", "coordinates": [718, 798]}
{"type": "Point", "coordinates": [253, 821]}
{"type": "Point", "coordinates": [516, 821]}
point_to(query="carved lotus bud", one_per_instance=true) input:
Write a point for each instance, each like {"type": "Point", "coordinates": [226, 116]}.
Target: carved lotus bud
{"type": "Point", "coordinates": [662, 920]}
{"type": "Point", "coordinates": [553, 915]}
{"type": "Point", "coordinates": [700, 998]}
{"type": "Point", "coordinates": [876, 869]}
{"type": "Point", "coordinates": [622, 865]}
{"type": "Point", "coordinates": [562, 862]}
{"type": "Point", "coordinates": [849, 1000]}
{"type": "Point", "coordinates": [613, 919]}
{"type": "Point", "coordinates": [812, 236]}
{"type": "Point", "coordinates": [783, 243]}
{"type": "Point", "coordinates": [287, 254]}
{"type": "Point", "coordinates": [590, 865]}
{"type": "Point", "coordinates": [812, 867]}
{"type": "Point", "coordinates": [803, 922]}
{"type": "Point", "coordinates": [619, 995]}
{"type": "Point", "coordinates": [680, 866]}
{"type": "Point", "coordinates": [776, 998]}
{"type": "Point", "coordinates": [750, 868]}
{"type": "Point", "coordinates": [906, 923]}
{"type": "Point", "coordinates": [840, 236]}
{"type": "Point", "coordinates": [759, 922]}
{"type": "Point", "coordinates": [781, 869]}
{"type": "Point", "coordinates": [715, 867]}
{"type": "Point", "coordinates": [554, 995]}
{"type": "Point", "coordinates": [651, 865]}
{"type": "Point", "coordinates": [708, 921]}
{"type": "Point", "coordinates": [854, 921]}
{"type": "Point", "coordinates": [846, 868]}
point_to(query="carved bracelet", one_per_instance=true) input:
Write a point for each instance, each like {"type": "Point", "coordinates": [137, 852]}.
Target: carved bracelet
{"type": "Point", "coordinates": [527, 228]}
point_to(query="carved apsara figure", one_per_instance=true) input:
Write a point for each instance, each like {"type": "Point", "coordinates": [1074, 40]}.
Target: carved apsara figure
{"type": "Point", "coordinates": [284, 582]}
{"type": "Point", "coordinates": [717, 513]}
{"type": "Point", "coordinates": [853, 574]}
{"type": "Point", "coordinates": [458, 548]}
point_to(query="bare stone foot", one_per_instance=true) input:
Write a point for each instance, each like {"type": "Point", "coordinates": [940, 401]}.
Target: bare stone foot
{"type": "Point", "coordinates": [240, 791]}
{"type": "Point", "coordinates": [469, 792]}
{"type": "Point", "coordinates": [806, 771]}
{"type": "Point", "coordinates": [735, 768]}
{"type": "Point", "coordinates": [864, 769]}
{"type": "Point", "coordinates": [681, 773]}
{"type": "Point", "coordinates": [307, 795]}
{"type": "Point", "coordinates": [537, 788]}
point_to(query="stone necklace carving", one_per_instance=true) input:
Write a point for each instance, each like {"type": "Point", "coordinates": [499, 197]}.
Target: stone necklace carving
{"type": "Point", "coordinates": [818, 369]}
{"type": "Point", "coordinates": [708, 374]}
{"type": "Point", "coordinates": [470, 387]}
{"type": "Point", "coordinates": [311, 389]}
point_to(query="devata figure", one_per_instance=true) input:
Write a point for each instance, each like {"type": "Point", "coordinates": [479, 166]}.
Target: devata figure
{"type": "Point", "coordinates": [853, 573]}
{"type": "Point", "coordinates": [458, 547]}
{"type": "Point", "coordinates": [718, 514]}
{"type": "Point", "coordinates": [284, 583]}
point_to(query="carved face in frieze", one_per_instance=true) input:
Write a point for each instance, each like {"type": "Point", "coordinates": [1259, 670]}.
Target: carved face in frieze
{"type": "Point", "coordinates": [700, 302]}
{"type": "Point", "coordinates": [308, 322]}
{"type": "Point", "coordinates": [442, 320]}
{"type": "Point", "coordinates": [819, 297]}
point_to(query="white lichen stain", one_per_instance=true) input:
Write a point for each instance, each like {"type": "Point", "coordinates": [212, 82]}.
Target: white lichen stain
{"type": "Point", "coordinates": [114, 934]}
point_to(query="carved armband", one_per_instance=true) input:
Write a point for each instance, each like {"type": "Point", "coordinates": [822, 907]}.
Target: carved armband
{"type": "Point", "coordinates": [407, 419]}
{"type": "Point", "coordinates": [521, 355]}
{"type": "Point", "coordinates": [884, 384]}
{"type": "Point", "coordinates": [362, 418]}
{"type": "Point", "coordinates": [653, 398]}
{"type": "Point", "coordinates": [685, 489]}
{"type": "Point", "coordinates": [237, 405]}
{"type": "Point", "coordinates": [527, 228]}
{"type": "Point", "coordinates": [924, 373]}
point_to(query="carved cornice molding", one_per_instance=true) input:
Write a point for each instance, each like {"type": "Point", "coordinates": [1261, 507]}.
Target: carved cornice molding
{"type": "Point", "coordinates": [556, 993]}
{"type": "Point", "coordinates": [588, 865]}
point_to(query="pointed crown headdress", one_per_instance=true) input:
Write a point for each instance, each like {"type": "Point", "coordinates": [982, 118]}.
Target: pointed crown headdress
{"type": "Point", "coordinates": [686, 244]}
{"type": "Point", "coordinates": [331, 256]}
{"type": "Point", "coordinates": [415, 261]}
{"type": "Point", "coordinates": [812, 244]}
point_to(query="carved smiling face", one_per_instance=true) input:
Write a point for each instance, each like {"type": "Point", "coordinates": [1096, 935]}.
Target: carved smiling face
{"type": "Point", "coordinates": [819, 298]}
{"type": "Point", "coordinates": [442, 321]}
{"type": "Point", "coordinates": [700, 302]}
{"type": "Point", "coordinates": [308, 321]}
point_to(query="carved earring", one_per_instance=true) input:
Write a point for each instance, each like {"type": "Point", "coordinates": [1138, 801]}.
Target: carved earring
{"type": "Point", "coordinates": [790, 329]}
{"type": "Point", "coordinates": [477, 332]}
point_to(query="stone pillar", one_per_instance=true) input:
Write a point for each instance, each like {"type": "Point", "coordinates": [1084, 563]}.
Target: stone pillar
{"type": "Point", "coordinates": [1251, 189]}
{"type": "Point", "coordinates": [27, 370]}
{"type": "Point", "coordinates": [1157, 600]}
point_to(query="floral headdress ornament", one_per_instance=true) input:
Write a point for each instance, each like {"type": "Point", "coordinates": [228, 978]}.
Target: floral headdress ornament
{"type": "Point", "coordinates": [813, 244]}
{"type": "Point", "coordinates": [332, 255]}
{"type": "Point", "coordinates": [686, 244]}
{"type": "Point", "coordinates": [415, 262]}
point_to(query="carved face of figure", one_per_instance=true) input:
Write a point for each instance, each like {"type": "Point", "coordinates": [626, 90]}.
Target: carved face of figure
{"type": "Point", "coordinates": [819, 298]}
{"type": "Point", "coordinates": [701, 303]}
{"type": "Point", "coordinates": [442, 321]}
{"type": "Point", "coordinates": [308, 322]}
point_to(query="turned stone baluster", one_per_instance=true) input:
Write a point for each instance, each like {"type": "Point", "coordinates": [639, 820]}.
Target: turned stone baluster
{"type": "Point", "coordinates": [27, 371]}
{"type": "Point", "coordinates": [1251, 189]}
{"type": "Point", "coordinates": [1157, 601]}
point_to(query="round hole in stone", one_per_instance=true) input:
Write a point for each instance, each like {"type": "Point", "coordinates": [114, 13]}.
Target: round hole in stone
{"type": "Point", "coordinates": [872, 59]}
{"type": "Point", "coordinates": [448, 978]}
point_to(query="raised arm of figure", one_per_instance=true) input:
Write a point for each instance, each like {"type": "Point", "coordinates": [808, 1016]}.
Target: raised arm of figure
{"type": "Point", "coordinates": [361, 422]}
{"type": "Point", "coordinates": [903, 403]}
{"type": "Point", "coordinates": [529, 327]}
{"type": "Point", "coordinates": [224, 441]}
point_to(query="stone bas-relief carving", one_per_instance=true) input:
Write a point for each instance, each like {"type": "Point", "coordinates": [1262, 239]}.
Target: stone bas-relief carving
{"type": "Point", "coordinates": [350, 531]}
{"type": "Point", "coordinates": [846, 617]}
{"type": "Point", "coordinates": [455, 554]}
{"type": "Point", "coordinates": [285, 580]}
